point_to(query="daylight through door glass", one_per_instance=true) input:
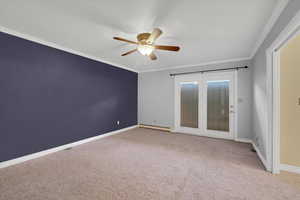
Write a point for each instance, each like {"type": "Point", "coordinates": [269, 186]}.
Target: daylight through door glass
{"type": "Point", "coordinates": [189, 93]}
{"type": "Point", "coordinates": [218, 105]}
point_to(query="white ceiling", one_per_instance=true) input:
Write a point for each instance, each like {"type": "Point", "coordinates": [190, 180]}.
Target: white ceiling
{"type": "Point", "coordinates": [206, 30]}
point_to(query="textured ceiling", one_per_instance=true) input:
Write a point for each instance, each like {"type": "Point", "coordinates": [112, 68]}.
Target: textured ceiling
{"type": "Point", "coordinates": [206, 30]}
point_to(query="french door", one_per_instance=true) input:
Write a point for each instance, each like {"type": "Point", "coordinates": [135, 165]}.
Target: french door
{"type": "Point", "coordinates": [205, 104]}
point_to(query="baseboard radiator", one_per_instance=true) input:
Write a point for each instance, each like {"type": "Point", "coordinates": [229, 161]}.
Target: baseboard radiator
{"type": "Point", "coordinates": [168, 129]}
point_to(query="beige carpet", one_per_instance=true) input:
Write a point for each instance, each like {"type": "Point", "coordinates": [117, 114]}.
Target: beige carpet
{"type": "Point", "coordinates": [145, 164]}
{"type": "Point", "coordinates": [290, 178]}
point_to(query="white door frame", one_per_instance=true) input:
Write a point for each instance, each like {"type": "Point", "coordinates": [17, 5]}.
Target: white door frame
{"type": "Point", "coordinates": [273, 93]}
{"type": "Point", "coordinates": [223, 76]}
{"type": "Point", "coordinates": [187, 78]}
{"type": "Point", "coordinates": [202, 132]}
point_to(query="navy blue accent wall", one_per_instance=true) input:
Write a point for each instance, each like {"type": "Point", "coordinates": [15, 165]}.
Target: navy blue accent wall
{"type": "Point", "coordinates": [49, 97]}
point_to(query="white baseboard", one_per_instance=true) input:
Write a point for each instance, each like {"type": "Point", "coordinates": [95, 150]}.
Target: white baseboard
{"type": "Point", "coordinates": [246, 140]}
{"type": "Point", "coordinates": [63, 147]}
{"type": "Point", "coordinates": [243, 140]}
{"type": "Point", "coordinates": [263, 160]}
{"type": "Point", "coordinates": [259, 154]}
{"type": "Point", "coordinates": [60, 148]}
{"type": "Point", "coordinates": [215, 136]}
{"type": "Point", "coordinates": [290, 168]}
{"type": "Point", "coordinates": [160, 128]}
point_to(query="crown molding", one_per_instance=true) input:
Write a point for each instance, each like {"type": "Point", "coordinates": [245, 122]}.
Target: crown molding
{"type": "Point", "coordinates": [271, 22]}
{"type": "Point", "coordinates": [281, 4]}
{"type": "Point", "coordinates": [57, 46]}
{"type": "Point", "coordinates": [197, 65]}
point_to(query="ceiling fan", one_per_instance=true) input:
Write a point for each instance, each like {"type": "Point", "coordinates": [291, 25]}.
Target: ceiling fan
{"type": "Point", "coordinates": [146, 44]}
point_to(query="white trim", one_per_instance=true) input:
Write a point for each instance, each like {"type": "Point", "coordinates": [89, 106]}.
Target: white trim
{"type": "Point", "coordinates": [215, 136]}
{"type": "Point", "coordinates": [236, 105]}
{"type": "Point", "coordinates": [159, 128]}
{"type": "Point", "coordinates": [267, 29]}
{"type": "Point", "coordinates": [276, 104]}
{"type": "Point", "coordinates": [290, 168]}
{"type": "Point", "coordinates": [204, 64]}
{"type": "Point", "coordinates": [60, 148]}
{"type": "Point", "coordinates": [260, 156]}
{"type": "Point", "coordinates": [176, 103]}
{"type": "Point", "coordinates": [57, 46]}
{"type": "Point", "coordinates": [243, 140]}
{"type": "Point", "coordinates": [201, 80]}
{"type": "Point", "coordinates": [212, 76]}
{"type": "Point", "coordinates": [273, 92]}
{"type": "Point", "coordinates": [274, 17]}
{"type": "Point", "coordinates": [186, 78]}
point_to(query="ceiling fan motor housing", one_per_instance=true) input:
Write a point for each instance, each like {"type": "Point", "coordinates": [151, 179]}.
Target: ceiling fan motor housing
{"type": "Point", "coordinates": [143, 37]}
{"type": "Point", "coordinates": [146, 44]}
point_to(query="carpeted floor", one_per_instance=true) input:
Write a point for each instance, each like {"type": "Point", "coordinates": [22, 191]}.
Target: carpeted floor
{"type": "Point", "coordinates": [145, 164]}
{"type": "Point", "coordinates": [290, 178]}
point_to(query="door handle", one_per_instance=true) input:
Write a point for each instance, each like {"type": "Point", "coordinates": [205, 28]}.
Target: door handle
{"type": "Point", "coordinates": [232, 112]}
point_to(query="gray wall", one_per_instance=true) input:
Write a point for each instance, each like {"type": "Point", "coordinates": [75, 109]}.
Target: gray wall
{"type": "Point", "coordinates": [259, 76]}
{"type": "Point", "coordinates": [156, 97]}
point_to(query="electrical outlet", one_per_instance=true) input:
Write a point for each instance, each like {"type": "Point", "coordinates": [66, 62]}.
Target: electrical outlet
{"type": "Point", "coordinates": [118, 123]}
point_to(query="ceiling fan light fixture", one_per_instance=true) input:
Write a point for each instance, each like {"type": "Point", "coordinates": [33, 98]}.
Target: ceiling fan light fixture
{"type": "Point", "coordinates": [145, 49]}
{"type": "Point", "coordinates": [146, 44]}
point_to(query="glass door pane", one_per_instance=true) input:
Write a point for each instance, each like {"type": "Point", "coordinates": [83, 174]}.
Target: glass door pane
{"type": "Point", "coordinates": [189, 102]}
{"type": "Point", "coordinates": [205, 103]}
{"type": "Point", "coordinates": [218, 105]}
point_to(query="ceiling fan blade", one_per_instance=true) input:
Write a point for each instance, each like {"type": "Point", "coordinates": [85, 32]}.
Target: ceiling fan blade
{"type": "Point", "coordinates": [124, 40]}
{"type": "Point", "coordinates": [129, 52]}
{"type": "Point", "coordinates": [152, 56]}
{"type": "Point", "coordinates": [167, 48]}
{"type": "Point", "coordinates": [154, 35]}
